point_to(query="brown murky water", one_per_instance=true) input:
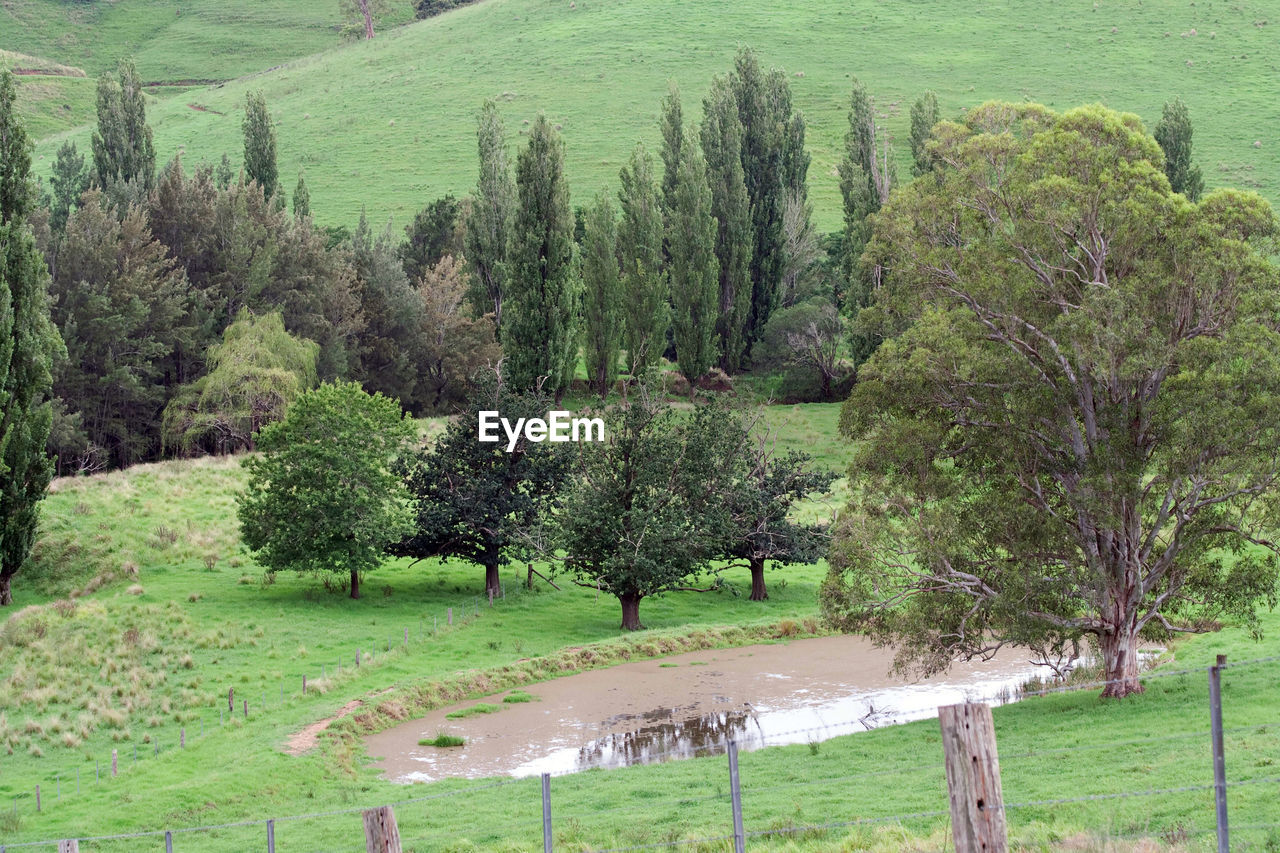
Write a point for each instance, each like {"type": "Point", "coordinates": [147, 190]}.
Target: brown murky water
{"type": "Point", "coordinates": [804, 690]}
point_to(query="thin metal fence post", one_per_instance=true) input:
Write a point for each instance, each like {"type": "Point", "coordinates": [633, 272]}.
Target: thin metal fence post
{"type": "Point", "coordinates": [546, 813]}
{"type": "Point", "coordinates": [735, 792]}
{"type": "Point", "coordinates": [168, 841]}
{"type": "Point", "coordinates": [271, 836]}
{"type": "Point", "coordinates": [1219, 758]}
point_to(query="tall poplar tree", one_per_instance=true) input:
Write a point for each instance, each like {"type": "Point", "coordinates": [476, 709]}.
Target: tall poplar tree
{"type": "Point", "coordinates": [646, 315]}
{"type": "Point", "coordinates": [1173, 133]}
{"type": "Point", "coordinates": [301, 199]}
{"type": "Point", "coordinates": [924, 115]}
{"type": "Point", "coordinates": [489, 219]}
{"type": "Point", "coordinates": [260, 144]}
{"type": "Point", "coordinates": [722, 148]}
{"type": "Point", "coordinates": [672, 125]}
{"type": "Point", "coordinates": [601, 296]}
{"type": "Point", "coordinates": [540, 325]}
{"type": "Point", "coordinates": [28, 345]}
{"type": "Point", "coordinates": [123, 154]}
{"type": "Point", "coordinates": [695, 272]}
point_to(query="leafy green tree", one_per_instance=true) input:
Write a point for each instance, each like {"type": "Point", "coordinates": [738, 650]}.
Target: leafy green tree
{"type": "Point", "coordinates": [760, 503]}
{"type": "Point", "coordinates": [645, 313]}
{"type": "Point", "coordinates": [540, 325]}
{"type": "Point", "coordinates": [645, 512]}
{"type": "Point", "coordinates": [28, 345]}
{"type": "Point", "coordinates": [488, 231]}
{"type": "Point", "coordinates": [722, 145]}
{"type": "Point", "coordinates": [254, 374]}
{"type": "Point", "coordinates": [866, 177]}
{"type": "Point", "coordinates": [392, 315]}
{"type": "Point", "coordinates": [695, 272]}
{"type": "Point", "coordinates": [322, 496]}
{"type": "Point", "coordinates": [1074, 437]}
{"type": "Point", "coordinates": [122, 307]}
{"type": "Point", "coordinates": [259, 144]}
{"type": "Point", "coordinates": [1173, 133]}
{"type": "Point", "coordinates": [432, 234]}
{"type": "Point", "coordinates": [475, 500]}
{"type": "Point", "coordinates": [124, 158]}
{"type": "Point", "coordinates": [671, 123]}
{"type": "Point", "coordinates": [69, 180]}
{"type": "Point", "coordinates": [601, 296]}
{"type": "Point", "coordinates": [301, 199]}
{"type": "Point", "coordinates": [806, 339]}
{"type": "Point", "coordinates": [924, 115]}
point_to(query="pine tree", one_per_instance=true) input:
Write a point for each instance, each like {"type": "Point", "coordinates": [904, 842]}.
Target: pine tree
{"type": "Point", "coordinates": [722, 145]}
{"type": "Point", "coordinates": [601, 296]}
{"type": "Point", "coordinates": [69, 180]}
{"type": "Point", "coordinates": [489, 221]}
{"type": "Point", "coordinates": [924, 115]}
{"type": "Point", "coordinates": [28, 345]}
{"type": "Point", "coordinates": [540, 325]}
{"type": "Point", "coordinates": [1173, 132]}
{"type": "Point", "coordinates": [695, 272]}
{"type": "Point", "coordinates": [124, 158]}
{"type": "Point", "coordinates": [259, 144]}
{"type": "Point", "coordinates": [301, 199]}
{"type": "Point", "coordinates": [644, 283]}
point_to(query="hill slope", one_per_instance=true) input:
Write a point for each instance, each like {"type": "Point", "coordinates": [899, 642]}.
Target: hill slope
{"type": "Point", "coordinates": [390, 124]}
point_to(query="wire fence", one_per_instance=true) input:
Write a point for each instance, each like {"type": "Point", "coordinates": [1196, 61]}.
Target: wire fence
{"type": "Point", "coordinates": [828, 800]}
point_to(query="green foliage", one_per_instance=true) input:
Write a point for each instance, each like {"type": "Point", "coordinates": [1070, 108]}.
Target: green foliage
{"type": "Point", "coordinates": [1174, 132]}
{"type": "Point", "coordinates": [1074, 436]}
{"type": "Point", "coordinates": [671, 124]}
{"type": "Point", "coordinates": [387, 345]}
{"type": "Point", "coordinates": [924, 115]}
{"type": "Point", "coordinates": [254, 374]}
{"type": "Point", "coordinates": [442, 739]}
{"type": "Point", "coordinates": [540, 318]}
{"type": "Point", "coordinates": [805, 338]}
{"type": "Point", "coordinates": [69, 180]}
{"type": "Point", "coordinates": [601, 296]}
{"type": "Point", "coordinates": [124, 157]}
{"type": "Point", "coordinates": [434, 233]}
{"type": "Point", "coordinates": [452, 345]}
{"type": "Point", "coordinates": [488, 231]}
{"type": "Point", "coordinates": [259, 144]}
{"type": "Point", "coordinates": [301, 199]}
{"type": "Point", "coordinates": [645, 290]}
{"type": "Point", "coordinates": [124, 310]}
{"type": "Point", "coordinates": [476, 501]}
{"type": "Point", "coordinates": [646, 510]}
{"type": "Point", "coordinates": [28, 345]}
{"type": "Point", "coordinates": [322, 496]}
{"type": "Point", "coordinates": [722, 145]}
{"type": "Point", "coordinates": [694, 270]}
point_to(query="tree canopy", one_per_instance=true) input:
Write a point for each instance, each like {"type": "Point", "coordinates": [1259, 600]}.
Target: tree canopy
{"type": "Point", "coordinates": [1075, 436]}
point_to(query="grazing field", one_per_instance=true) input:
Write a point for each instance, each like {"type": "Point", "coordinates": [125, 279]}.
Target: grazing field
{"type": "Point", "coordinates": [390, 124]}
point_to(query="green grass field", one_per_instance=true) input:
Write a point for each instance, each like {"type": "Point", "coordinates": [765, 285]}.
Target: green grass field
{"type": "Point", "coordinates": [390, 124]}
{"type": "Point", "coordinates": [179, 613]}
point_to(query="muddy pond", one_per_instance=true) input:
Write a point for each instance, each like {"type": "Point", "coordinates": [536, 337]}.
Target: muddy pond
{"type": "Point", "coordinates": [684, 705]}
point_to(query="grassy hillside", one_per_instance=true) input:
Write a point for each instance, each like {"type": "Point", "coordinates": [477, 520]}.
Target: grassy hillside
{"type": "Point", "coordinates": [171, 41]}
{"type": "Point", "coordinates": [390, 124]}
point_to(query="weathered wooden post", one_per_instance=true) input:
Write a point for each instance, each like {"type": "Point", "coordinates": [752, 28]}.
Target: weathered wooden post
{"type": "Point", "coordinates": [231, 700]}
{"type": "Point", "coordinates": [246, 709]}
{"type": "Point", "coordinates": [1219, 756]}
{"type": "Point", "coordinates": [304, 685]}
{"type": "Point", "coordinates": [182, 737]}
{"type": "Point", "coordinates": [37, 798]}
{"type": "Point", "coordinates": [973, 778]}
{"type": "Point", "coordinates": [381, 835]}
{"type": "Point", "coordinates": [450, 615]}
{"type": "Point", "coordinates": [69, 845]}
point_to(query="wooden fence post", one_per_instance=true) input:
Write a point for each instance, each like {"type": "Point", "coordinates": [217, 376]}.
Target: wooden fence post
{"type": "Point", "coordinates": [304, 685]}
{"type": "Point", "coordinates": [69, 845]}
{"type": "Point", "coordinates": [246, 709]}
{"type": "Point", "coordinates": [231, 700]}
{"type": "Point", "coordinates": [381, 835]}
{"type": "Point", "coordinates": [37, 798]}
{"type": "Point", "coordinates": [182, 737]}
{"type": "Point", "coordinates": [973, 778]}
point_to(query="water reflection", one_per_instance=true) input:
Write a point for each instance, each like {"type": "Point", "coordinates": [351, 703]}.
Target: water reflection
{"type": "Point", "coordinates": [675, 736]}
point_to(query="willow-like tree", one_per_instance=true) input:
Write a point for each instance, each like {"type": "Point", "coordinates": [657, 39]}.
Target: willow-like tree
{"type": "Point", "coordinates": [544, 293]}
{"type": "Point", "coordinates": [646, 315]}
{"type": "Point", "coordinates": [1173, 132]}
{"type": "Point", "coordinates": [601, 296]}
{"type": "Point", "coordinates": [1075, 436]}
{"type": "Point", "coordinates": [695, 272]}
{"type": "Point", "coordinates": [260, 144]}
{"type": "Point", "coordinates": [722, 148]}
{"type": "Point", "coordinates": [322, 496]}
{"type": "Point", "coordinates": [28, 345]}
{"type": "Point", "coordinates": [489, 219]}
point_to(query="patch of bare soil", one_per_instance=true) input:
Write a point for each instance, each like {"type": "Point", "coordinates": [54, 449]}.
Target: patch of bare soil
{"type": "Point", "coordinates": [306, 739]}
